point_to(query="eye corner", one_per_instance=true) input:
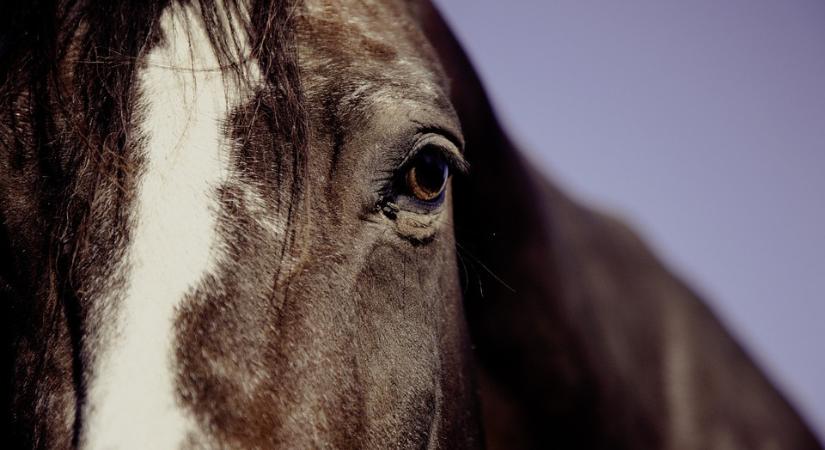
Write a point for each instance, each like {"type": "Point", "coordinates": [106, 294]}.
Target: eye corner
{"type": "Point", "coordinates": [460, 165]}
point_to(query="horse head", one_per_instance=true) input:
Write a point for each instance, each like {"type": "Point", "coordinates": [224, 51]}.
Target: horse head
{"type": "Point", "coordinates": [298, 223]}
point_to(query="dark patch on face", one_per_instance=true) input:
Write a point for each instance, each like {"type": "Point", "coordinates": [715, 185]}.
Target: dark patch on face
{"type": "Point", "coordinates": [378, 50]}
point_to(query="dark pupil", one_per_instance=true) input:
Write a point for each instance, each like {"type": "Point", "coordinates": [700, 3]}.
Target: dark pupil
{"type": "Point", "coordinates": [431, 172]}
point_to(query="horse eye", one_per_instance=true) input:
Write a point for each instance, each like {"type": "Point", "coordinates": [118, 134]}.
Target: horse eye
{"type": "Point", "coordinates": [426, 177]}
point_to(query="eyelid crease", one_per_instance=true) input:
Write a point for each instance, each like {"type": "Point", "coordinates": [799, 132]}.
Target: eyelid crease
{"type": "Point", "coordinates": [446, 147]}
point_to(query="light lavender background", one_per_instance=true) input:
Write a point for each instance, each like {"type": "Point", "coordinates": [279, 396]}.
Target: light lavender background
{"type": "Point", "coordinates": [703, 123]}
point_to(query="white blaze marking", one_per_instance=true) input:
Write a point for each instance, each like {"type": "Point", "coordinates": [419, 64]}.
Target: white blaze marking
{"type": "Point", "coordinates": [132, 400]}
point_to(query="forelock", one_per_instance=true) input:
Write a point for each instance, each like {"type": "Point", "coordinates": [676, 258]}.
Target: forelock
{"type": "Point", "coordinates": [69, 71]}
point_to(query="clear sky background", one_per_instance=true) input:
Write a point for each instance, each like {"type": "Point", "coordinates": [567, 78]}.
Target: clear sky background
{"type": "Point", "coordinates": [703, 124]}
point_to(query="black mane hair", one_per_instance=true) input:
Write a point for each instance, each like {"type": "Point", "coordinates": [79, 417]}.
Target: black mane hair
{"type": "Point", "coordinates": [67, 108]}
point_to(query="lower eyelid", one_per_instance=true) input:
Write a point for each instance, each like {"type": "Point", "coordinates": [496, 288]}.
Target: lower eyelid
{"type": "Point", "coordinates": [418, 227]}
{"type": "Point", "coordinates": [411, 203]}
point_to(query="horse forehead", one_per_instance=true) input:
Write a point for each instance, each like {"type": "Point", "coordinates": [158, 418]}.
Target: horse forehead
{"type": "Point", "coordinates": [358, 13]}
{"type": "Point", "coordinates": [371, 49]}
{"type": "Point", "coordinates": [360, 29]}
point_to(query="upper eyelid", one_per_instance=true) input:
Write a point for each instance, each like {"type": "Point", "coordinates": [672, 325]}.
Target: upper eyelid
{"type": "Point", "coordinates": [440, 127]}
{"type": "Point", "coordinates": [447, 146]}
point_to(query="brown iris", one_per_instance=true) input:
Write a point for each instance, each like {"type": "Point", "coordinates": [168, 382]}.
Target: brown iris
{"type": "Point", "coordinates": [427, 176]}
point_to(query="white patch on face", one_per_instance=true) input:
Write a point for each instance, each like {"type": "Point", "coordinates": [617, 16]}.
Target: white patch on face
{"type": "Point", "coordinates": [132, 401]}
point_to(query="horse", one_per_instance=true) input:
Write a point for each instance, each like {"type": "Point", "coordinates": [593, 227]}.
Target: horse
{"type": "Point", "coordinates": [298, 223]}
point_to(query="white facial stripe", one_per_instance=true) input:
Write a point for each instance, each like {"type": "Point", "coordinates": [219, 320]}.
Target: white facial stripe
{"type": "Point", "coordinates": [132, 400]}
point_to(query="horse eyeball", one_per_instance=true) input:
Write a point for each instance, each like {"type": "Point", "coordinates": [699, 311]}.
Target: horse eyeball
{"type": "Point", "coordinates": [427, 176]}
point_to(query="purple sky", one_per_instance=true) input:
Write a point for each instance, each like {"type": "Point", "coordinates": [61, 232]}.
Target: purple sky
{"type": "Point", "coordinates": [703, 124]}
